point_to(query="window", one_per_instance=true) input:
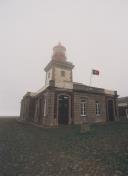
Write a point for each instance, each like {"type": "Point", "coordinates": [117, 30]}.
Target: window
{"type": "Point", "coordinates": [97, 108]}
{"type": "Point", "coordinates": [63, 73]}
{"type": "Point", "coordinates": [83, 107]}
{"type": "Point", "coordinates": [45, 104]}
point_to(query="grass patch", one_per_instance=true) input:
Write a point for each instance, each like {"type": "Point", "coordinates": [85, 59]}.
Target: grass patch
{"type": "Point", "coordinates": [27, 150]}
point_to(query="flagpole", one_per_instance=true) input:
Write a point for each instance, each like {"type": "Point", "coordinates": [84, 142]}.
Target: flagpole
{"type": "Point", "coordinates": [85, 126]}
{"type": "Point", "coordinates": [90, 82]}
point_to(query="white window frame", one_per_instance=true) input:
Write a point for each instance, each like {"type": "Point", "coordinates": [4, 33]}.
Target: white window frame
{"type": "Point", "coordinates": [97, 108]}
{"type": "Point", "coordinates": [83, 107]}
{"type": "Point", "coordinates": [45, 107]}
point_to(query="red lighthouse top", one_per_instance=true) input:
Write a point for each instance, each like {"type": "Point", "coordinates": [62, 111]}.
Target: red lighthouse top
{"type": "Point", "coordinates": [59, 53]}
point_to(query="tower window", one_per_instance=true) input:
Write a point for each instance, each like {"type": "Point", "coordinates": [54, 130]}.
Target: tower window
{"type": "Point", "coordinates": [97, 108]}
{"type": "Point", "coordinates": [63, 73]}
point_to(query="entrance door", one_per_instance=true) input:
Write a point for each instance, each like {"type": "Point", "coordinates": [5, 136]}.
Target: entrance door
{"type": "Point", "coordinates": [63, 109]}
{"type": "Point", "coordinates": [110, 110]}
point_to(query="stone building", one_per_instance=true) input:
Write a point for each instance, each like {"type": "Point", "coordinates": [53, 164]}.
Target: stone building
{"type": "Point", "coordinates": [123, 108]}
{"type": "Point", "coordinates": [62, 101]}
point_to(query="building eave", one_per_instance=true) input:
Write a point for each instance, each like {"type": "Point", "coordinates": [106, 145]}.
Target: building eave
{"type": "Point", "coordinates": [93, 90]}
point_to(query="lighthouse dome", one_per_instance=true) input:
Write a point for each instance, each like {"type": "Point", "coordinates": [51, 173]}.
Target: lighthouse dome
{"type": "Point", "coordinates": [59, 53]}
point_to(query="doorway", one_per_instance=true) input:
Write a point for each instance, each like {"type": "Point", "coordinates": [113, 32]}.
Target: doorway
{"type": "Point", "coordinates": [63, 109]}
{"type": "Point", "coordinates": [110, 110]}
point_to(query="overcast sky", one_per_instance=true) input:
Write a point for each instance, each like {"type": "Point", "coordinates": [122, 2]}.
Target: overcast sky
{"type": "Point", "coordinates": [95, 33]}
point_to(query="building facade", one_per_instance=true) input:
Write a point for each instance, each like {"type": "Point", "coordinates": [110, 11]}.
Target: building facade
{"type": "Point", "coordinates": [123, 108]}
{"type": "Point", "coordinates": [62, 101]}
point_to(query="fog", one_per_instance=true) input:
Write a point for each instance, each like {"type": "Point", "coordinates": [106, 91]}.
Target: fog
{"type": "Point", "coordinates": [95, 33]}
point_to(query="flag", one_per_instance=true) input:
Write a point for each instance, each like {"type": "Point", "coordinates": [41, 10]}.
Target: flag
{"type": "Point", "coordinates": [95, 72]}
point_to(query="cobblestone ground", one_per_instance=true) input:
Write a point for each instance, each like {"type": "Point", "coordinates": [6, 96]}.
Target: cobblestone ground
{"type": "Point", "coordinates": [27, 150]}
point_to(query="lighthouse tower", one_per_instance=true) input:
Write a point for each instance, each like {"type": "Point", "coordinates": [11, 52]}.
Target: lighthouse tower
{"type": "Point", "coordinates": [59, 69]}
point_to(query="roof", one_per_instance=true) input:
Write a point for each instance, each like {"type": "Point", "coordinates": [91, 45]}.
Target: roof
{"type": "Point", "coordinates": [123, 99]}
{"type": "Point", "coordinates": [75, 87]}
{"type": "Point", "coordinates": [33, 94]}
{"type": "Point", "coordinates": [82, 87]}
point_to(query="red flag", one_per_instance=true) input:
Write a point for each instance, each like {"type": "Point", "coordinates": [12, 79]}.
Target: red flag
{"type": "Point", "coordinates": [95, 72]}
